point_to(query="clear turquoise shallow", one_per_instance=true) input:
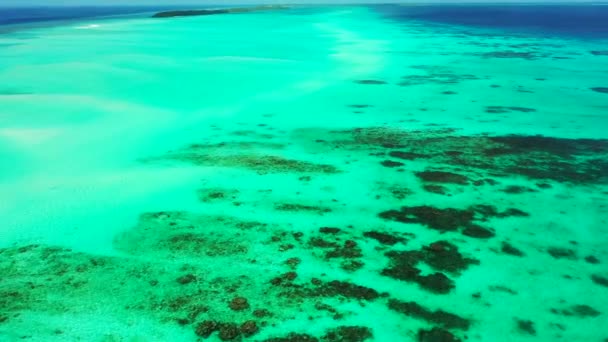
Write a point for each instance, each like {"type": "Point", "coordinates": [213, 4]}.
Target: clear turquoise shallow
{"type": "Point", "coordinates": [97, 124]}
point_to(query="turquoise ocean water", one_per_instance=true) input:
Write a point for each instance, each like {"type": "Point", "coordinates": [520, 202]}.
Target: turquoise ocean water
{"type": "Point", "coordinates": [346, 173]}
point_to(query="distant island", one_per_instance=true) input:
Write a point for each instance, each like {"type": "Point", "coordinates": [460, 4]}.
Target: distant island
{"type": "Point", "coordinates": [191, 13]}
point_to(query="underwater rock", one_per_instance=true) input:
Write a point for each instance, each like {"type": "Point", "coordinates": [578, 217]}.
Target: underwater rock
{"type": "Point", "coordinates": [562, 253]}
{"type": "Point", "coordinates": [370, 82]}
{"type": "Point", "coordinates": [249, 328]}
{"type": "Point", "coordinates": [435, 282]}
{"type": "Point", "coordinates": [512, 54]}
{"type": "Point", "coordinates": [478, 232]}
{"type": "Point", "coordinates": [349, 250]}
{"type": "Point", "coordinates": [526, 326]}
{"type": "Point", "coordinates": [302, 207]}
{"type": "Point", "coordinates": [581, 311]}
{"type": "Point", "coordinates": [436, 189]}
{"type": "Point", "coordinates": [516, 189]}
{"type": "Point", "coordinates": [507, 109]}
{"type": "Point", "coordinates": [384, 238]}
{"type": "Point", "coordinates": [229, 331]}
{"type": "Point", "coordinates": [507, 248]}
{"type": "Point", "coordinates": [206, 328]}
{"type": "Point", "coordinates": [436, 335]}
{"type": "Point", "coordinates": [592, 260]}
{"type": "Point", "coordinates": [442, 318]}
{"type": "Point", "coordinates": [322, 243]}
{"type": "Point", "coordinates": [390, 163]}
{"type": "Point", "coordinates": [345, 289]}
{"type": "Point", "coordinates": [348, 334]}
{"type": "Point", "coordinates": [351, 265]}
{"type": "Point", "coordinates": [544, 185]}
{"type": "Point", "coordinates": [239, 304]}
{"type": "Point", "coordinates": [500, 288]}
{"type": "Point", "coordinates": [444, 256]}
{"type": "Point", "coordinates": [489, 211]}
{"type": "Point", "coordinates": [329, 230]}
{"type": "Point", "coordinates": [600, 89]}
{"type": "Point", "coordinates": [284, 278]}
{"type": "Point", "coordinates": [442, 177]}
{"type": "Point", "coordinates": [600, 280]}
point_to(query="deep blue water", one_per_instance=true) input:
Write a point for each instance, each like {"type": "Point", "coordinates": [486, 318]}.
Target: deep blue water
{"type": "Point", "coordinates": [40, 14]}
{"type": "Point", "coordinates": [584, 20]}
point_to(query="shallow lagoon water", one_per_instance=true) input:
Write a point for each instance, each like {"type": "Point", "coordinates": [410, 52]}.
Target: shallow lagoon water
{"type": "Point", "coordinates": [333, 174]}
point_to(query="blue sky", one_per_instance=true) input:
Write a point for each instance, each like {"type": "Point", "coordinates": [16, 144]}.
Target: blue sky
{"type": "Point", "coordinates": [203, 2]}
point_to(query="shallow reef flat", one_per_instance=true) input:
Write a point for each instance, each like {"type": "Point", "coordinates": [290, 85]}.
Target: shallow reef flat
{"type": "Point", "coordinates": [261, 262]}
{"type": "Point", "coordinates": [380, 180]}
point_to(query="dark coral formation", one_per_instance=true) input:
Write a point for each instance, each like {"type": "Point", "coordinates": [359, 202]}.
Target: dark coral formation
{"type": "Point", "coordinates": [506, 109]}
{"type": "Point", "coordinates": [206, 328]}
{"type": "Point", "coordinates": [448, 219]}
{"type": "Point", "coordinates": [391, 163]}
{"type": "Point", "coordinates": [436, 189]}
{"type": "Point", "coordinates": [562, 253]}
{"type": "Point", "coordinates": [592, 260]}
{"type": "Point", "coordinates": [384, 238]}
{"type": "Point", "coordinates": [333, 247]}
{"type": "Point", "coordinates": [527, 55]}
{"type": "Point", "coordinates": [319, 289]}
{"type": "Point", "coordinates": [478, 232]}
{"type": "Point", "coordinates": [376, 82]}
{"type": "Point", "coordinates": [302, 207]}
{"type": "Point", "coordinates": [435, 75]}
{"type": "Point", "coordinates": [599, 280]}
{"type": "Point", "coordinates": [517, 189]}
{"type": "Point", "coordinates": [580, 310]}
{"type": "Point", "coordinates": [577, 161]}
{"type": "Point", "coordinates": [508, 248]}
{"type": "Point", "coordinates": [436, 335]}
{"type": "Point", "coordinates": [441, 318]}
{"type": "Point", "coordinates": [239, 303]}
{"type": "Point", "coordinates": [441, 256]}
{"type": "Point", "coordinates": [348, 334]}
{"type": "Point", "coordinates": [600, 89]}
{"type": "Point", "coordinates": [525, 326]}
{"type": "Point", "coordinates": [442, 177]}
{"type": "Point", "coordinates": [344, 289]}
{"type": "Point", "coordinates": [451, 219]}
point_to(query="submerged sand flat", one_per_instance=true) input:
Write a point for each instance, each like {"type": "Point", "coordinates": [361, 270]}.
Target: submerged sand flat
{"type": "Point", "coordinates": [313, 174]}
